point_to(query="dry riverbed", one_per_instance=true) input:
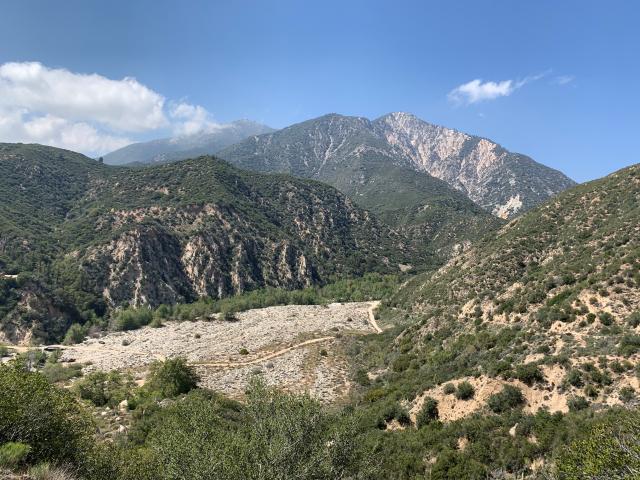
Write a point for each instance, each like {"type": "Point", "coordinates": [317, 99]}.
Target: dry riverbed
{"type": "Point", "coordinates": [296, 347]}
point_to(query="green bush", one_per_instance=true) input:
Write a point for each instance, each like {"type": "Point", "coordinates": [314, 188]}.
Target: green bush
{"type": "Point", "coordinates": [574, 378]}
{"type": "Point", "coordinates": [172, 377]}
{"type": "Point", "coordinates": [428, 412]}
{"type": "Point", "coordinates": [529, 373]}
{"type": "Point", "coordinates": [13, 453]}
{"type": "Point", "coordinates": [465, 391]}
{"type": "Point", "coordinates": [102, 388]}
{"type": "Point", "coordinates": [38, 414]}
{"type": "Point", "coordinates": [577, 403]}
{"type": "Point", "coordinates": [449, 389]}
{"type": "Point", "coordinates": [510, 397]}
{"type": "Point", "coordinates": [56, 372]}
{"type": "Point", "coordinates": [629, 345]}
{"type": "Point", "coordinates": [606, 318]}
{"type": "Point", "coordinates": [627, 394]}
{"type": "Point", "coordinates": [132, 318]}
{"type": "Point", "coordinates": [634, 319]}
{"type": "Point", "coordinates": [75, 334]}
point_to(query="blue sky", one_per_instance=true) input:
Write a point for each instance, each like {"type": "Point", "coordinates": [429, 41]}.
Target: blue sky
{"type": "Point", "coordinates": [557, 80]}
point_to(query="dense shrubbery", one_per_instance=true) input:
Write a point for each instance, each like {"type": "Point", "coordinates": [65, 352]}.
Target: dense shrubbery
{"type": "Point", "coordinates": [102, 388]}
{"type": "Point", "coordinates": [45, 418]}
{"type": "Point", "coordinates": [510, 397]}
{"type": "Point", "coordinates": [275, 436]}
{"type": "Point", "coordinates": [610, 450]}
{"type": "Point", "coordinates": [132, 318]}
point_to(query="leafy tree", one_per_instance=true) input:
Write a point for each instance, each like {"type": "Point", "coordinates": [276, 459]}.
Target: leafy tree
{"type": "Point", "coordinates": [172, 377]}
{"type": "Point", "coordinates": [38, 414]}
{"type": "Point", "coordinates": [428, 412]}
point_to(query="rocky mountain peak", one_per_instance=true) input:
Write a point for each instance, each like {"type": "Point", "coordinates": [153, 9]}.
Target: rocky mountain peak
{"type": "Point", "coordinates": [503, 182]}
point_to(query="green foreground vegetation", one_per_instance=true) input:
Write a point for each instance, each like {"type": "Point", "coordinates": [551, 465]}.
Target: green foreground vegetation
{"type": "Point", "coordinates": [179, 431]}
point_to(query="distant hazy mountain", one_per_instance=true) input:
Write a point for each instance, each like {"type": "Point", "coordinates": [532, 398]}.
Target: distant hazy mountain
{"type": "Point", "coordinates": [187, 146]}
{"type": "Point", "coordinates": [359, 156]}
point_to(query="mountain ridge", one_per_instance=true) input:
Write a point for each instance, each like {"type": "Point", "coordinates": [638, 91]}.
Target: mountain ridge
{"type": "Point", "coordinates": [182, 147]}
{"type": "Point", "coordinates": [113, 236]}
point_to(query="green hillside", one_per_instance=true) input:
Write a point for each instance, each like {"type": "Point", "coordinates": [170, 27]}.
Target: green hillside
{"type": "Point", "coordinates": [84, 238]}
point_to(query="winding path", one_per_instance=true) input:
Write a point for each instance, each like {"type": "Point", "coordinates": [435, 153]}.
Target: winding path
{"type": "Point", "coordinates": [264, 358]}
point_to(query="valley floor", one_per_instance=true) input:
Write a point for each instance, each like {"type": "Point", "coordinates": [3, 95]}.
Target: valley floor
{"type": "Point", "coordinates": [295, 347]}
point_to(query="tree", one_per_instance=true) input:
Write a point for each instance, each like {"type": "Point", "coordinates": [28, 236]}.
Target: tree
{"type": "Point", "coordinates": [38, 414]}
{"type": "Point", "coordinates": [428, 413]}
{"type": "Point", "coordinates": [172, 377]}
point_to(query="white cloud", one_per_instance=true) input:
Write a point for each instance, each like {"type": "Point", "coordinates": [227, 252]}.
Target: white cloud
{"type": "Point", "coordinates": [86, 112]}
{"type": "Point", "coordinates": [478, 91]}
{"type": "Point", "coordinates": [124, 105]}
{"type": "Point", "coordinates": [189, 119]}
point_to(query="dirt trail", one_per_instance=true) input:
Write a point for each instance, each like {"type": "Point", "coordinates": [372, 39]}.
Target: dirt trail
{"type": "Point", "coordinates": [264, 358]}
{"type": "Point", "coordinates": [372, 317]}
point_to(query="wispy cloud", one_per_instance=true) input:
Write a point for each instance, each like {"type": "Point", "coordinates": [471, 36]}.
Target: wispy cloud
{"type": "Point", "coordinates": [477, 90]}
{"type": "Point", "coordinates": [563, 79]}
{"type": "Point", "coordinates": [89, 113]}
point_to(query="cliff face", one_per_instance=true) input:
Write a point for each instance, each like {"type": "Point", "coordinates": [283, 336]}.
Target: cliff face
{"type": "Point", "coordinates": [500, 181]}
{"type": "Point", "coordinates": [167, 234]}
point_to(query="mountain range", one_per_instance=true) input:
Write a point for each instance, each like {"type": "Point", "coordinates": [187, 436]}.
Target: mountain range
{"type": "Point", "coordinates": [181, 147]}
{"type": "Point", "coordinates": [357, 156]}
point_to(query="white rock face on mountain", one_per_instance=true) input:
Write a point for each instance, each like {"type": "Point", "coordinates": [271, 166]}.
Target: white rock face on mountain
{"type": "Point", "coordinates": [500, 181]}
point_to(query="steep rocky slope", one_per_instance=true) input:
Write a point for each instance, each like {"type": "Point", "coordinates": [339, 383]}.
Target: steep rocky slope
{"type": "Point", "coordinates": [357, 156]}
{"type": "Point", "coordinates": [186, 146]}
{"type": "Point", "coordinates": [78, 237]}
{"type": "Point", "coordinates": [503, 182]}
{"type": "Point", "coordinates": [551, 304]}
{"type": "Point", "coordinates": [347, 152]}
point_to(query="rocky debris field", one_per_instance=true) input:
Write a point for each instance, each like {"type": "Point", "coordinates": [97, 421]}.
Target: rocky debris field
{"type": "Point", "coordinates": [296, 347]}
